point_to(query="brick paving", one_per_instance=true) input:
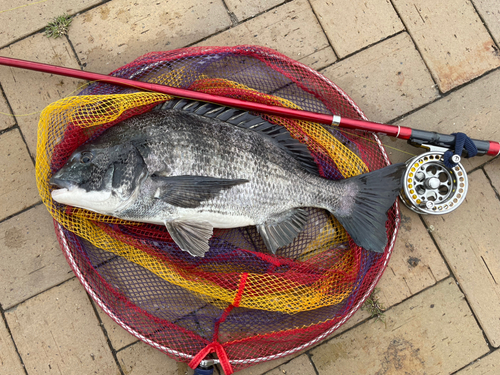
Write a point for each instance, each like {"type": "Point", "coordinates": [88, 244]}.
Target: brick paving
{"type": "Point", "coordinates": [423, 64]}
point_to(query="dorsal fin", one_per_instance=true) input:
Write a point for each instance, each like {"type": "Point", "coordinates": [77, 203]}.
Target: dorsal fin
{"type": "Point", "coordinates": [245, 120]}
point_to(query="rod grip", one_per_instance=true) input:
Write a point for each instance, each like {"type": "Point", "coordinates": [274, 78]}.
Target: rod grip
{"type": "Point", "coordinates": [420, 137]}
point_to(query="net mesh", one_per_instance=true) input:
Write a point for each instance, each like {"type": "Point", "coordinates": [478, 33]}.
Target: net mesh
{"type": "Point", "coordinates": [239, 301]}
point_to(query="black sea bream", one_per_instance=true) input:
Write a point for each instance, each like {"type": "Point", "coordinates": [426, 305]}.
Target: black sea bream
{"type": "Point", "coordinates": [196, 166]}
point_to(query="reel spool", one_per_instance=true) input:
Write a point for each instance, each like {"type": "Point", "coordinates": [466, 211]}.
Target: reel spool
{"type": "Point", "coordinates": [430, 187]}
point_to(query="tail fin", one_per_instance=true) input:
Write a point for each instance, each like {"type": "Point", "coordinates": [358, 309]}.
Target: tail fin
{"type": "Point", "coordinates": [366, 214]}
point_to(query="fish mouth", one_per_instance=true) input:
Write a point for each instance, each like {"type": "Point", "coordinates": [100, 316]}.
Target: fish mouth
{"type": "Point", "coordinates": [63, 184]}
{"type": "Point", "coordinates": [57, 193]}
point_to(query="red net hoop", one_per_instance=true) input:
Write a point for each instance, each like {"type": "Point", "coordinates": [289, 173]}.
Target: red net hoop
{"type": "Point", "coordinates": [239, 305]}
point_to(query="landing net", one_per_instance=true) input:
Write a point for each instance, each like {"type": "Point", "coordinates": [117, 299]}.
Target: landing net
{"type": "Point", "coordinates": [239, 301]}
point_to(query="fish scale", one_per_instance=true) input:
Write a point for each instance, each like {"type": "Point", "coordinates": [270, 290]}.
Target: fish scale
{"type": "Point", "coordinates": [190, 152]}
{"type": "Point", "coordinates": [263, 191]}
{"type": "Point", "coordinates": [192, 167]}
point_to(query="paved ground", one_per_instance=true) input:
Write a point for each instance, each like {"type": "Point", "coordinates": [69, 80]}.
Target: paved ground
{"type": "Point", "coordinates": [420, 63]}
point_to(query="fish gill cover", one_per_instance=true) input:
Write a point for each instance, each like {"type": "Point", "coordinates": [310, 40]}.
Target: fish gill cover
{"type": "Point", "coordinates": [239, 301]}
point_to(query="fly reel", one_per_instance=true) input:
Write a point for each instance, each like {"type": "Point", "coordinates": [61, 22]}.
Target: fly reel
{"type": "Point", "coordinates": [430, 187]}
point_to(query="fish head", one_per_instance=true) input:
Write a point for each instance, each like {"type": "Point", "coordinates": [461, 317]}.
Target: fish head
{"type": "Point", "coordinates": [101, 178]}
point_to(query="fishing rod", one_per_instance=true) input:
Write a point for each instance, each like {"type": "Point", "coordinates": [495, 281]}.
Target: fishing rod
{"type": "Point", "coordinates": [432, 186]}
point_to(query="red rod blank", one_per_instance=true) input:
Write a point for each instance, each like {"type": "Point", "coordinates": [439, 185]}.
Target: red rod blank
{"type": "Point", "coordinates": [390, 130]}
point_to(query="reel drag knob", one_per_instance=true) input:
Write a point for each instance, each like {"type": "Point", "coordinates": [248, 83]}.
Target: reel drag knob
{"type": "Point", "coordinates": [430, 187]}
{"type": "Point", "coordinates": [432, 183]}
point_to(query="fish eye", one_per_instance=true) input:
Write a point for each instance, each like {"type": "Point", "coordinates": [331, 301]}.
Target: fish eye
{"type": "Point", "coordinates": [86, 157]}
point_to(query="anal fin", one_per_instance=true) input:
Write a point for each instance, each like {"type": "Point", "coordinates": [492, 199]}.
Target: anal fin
{"type": "Point", "coordinates": [191, 236]}
{"type": "Point", "coordinates": [280, 230]}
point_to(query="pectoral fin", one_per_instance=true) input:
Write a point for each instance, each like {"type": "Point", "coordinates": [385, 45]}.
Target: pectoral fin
{"type": "Point", "coordinates": [281, 230]}
{"type": "Point", "coordinates": [190, 191]}
{"type": "Point", "coordinates": [191, 236]}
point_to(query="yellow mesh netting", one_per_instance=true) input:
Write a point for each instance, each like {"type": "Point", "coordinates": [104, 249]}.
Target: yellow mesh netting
{"type": "Point", "coordinates": [261, 291]}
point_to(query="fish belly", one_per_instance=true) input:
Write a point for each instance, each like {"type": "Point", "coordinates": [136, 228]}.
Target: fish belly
{"type": "Point", "coordinates": [217, 220]}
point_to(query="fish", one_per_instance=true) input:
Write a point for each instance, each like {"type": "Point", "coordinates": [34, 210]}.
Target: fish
{"type": "Point", "coordinates": [194, 166]}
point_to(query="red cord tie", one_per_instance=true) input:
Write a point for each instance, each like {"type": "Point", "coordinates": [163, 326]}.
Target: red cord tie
{"type": "Point", "coordinates": [215, 346]}
{"type": "Point", "coordinates": [221, 354]}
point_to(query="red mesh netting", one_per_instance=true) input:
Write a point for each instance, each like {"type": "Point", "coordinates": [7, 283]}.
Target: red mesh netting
{"type": "Point", "coordinates": [239, 302]}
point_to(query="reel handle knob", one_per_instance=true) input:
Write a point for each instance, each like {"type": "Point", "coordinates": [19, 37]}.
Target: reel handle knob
{"type": "Point", "coordinates": [427, 205]}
